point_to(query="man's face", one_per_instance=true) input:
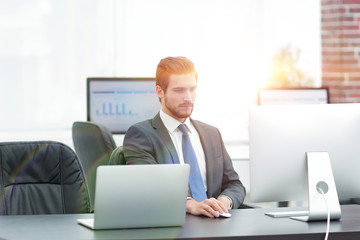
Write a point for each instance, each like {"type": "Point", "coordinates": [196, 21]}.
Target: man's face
{"type": "Point", "coordinates": [178, 100]}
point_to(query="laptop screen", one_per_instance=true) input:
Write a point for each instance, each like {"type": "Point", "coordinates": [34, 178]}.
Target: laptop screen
{"type": "Point", "coordinates": [118, 103]}
{"type": "Point", "coordinates": [150, 195]}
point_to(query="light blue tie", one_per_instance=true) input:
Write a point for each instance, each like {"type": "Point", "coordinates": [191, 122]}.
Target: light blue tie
{"type": "Point", "coordinates": [195, 182]}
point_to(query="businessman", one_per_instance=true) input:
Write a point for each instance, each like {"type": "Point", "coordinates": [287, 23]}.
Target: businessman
{"type": "Point", "coordinates": [172, 137]}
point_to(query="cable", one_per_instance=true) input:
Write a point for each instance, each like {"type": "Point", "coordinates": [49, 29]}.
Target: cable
{"type": "Point", "coordinates": [328, 214]}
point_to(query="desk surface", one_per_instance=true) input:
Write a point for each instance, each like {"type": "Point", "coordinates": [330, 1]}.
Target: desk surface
{"type": "Point", "coordinates": [244, 224]}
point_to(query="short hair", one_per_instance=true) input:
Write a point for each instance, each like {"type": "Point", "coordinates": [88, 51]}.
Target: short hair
{"type": "Point", "coordinates": [173, 65]}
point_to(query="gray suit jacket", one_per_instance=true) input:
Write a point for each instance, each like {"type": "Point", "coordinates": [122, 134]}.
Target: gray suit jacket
{"type": "Point", "coordinates": [149, 142]}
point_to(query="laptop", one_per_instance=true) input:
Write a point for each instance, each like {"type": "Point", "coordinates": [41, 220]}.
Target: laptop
{"type": "Point", "coordinates": [139, 196]}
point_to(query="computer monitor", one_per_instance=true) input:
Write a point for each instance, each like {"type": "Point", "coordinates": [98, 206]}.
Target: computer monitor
{"type": "Point", "coordinates": [270, 96]}
{"type": "Point", "coordinates": [118, 103]}
{"type": "Point", "coordinates": [281, 135]}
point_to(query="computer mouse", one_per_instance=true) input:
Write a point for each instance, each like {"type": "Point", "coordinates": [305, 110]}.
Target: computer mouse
{"type": "Point", "coordinates": [225, 215]}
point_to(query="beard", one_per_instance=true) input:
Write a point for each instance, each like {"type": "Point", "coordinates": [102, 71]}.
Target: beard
{"type": "Point", "coordinates": [184, 110]}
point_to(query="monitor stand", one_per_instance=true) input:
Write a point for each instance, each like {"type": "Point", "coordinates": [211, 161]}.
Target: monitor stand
{"type": "Point", "coordinates": [320, 176]}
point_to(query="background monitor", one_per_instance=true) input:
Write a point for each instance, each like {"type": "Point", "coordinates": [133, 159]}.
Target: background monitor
{"type": "Point", "coordinates": [280, 135]}
{"type": "Point", "coordinates": [272, 96]}
{"type": "Point", "coordinates": [118, 103]}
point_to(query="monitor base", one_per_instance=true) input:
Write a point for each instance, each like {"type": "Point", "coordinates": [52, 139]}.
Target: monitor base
{"type": "Point", "coordinates": [287, 214]}
{"type": "Point", "coordinates": [321, 189]}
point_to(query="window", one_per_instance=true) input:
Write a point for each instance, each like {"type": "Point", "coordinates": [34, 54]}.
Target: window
{"type": "Point", "coordinates": [48, 49]}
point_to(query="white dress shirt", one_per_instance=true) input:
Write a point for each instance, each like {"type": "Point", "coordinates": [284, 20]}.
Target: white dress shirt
{"type": "Point", "coordinates": [171, 125]}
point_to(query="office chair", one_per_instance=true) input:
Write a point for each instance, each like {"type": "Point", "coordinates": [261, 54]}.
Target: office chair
{"type": "Point", "coordinates": [117, 157]}
{"type": "Point", "coordinates": [93, 144]}
{"type": "Point", "coordinates": [41, 177]}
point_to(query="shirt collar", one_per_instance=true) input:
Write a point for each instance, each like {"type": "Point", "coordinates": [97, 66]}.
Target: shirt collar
{"type": "Point", "coordinates": [172, 124]}
{"type": "Point", "coordinates": [189, 125]}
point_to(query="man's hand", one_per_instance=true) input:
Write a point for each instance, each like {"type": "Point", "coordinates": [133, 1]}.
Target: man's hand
{"type": "Point", "coordinates": [225, 200]}
{"type": "Point", "coordinates": [209, 207]}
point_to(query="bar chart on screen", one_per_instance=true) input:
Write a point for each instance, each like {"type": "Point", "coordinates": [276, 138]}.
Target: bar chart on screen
{"type": "Point", "coordinates": [122, 105]}
{"type": "Point", "coordinates": [118, 103]}
{"type": "Point", "coordinates": [115, 109]}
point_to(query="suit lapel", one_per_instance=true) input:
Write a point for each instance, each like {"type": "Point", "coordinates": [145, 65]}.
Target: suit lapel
{"type": "Point", "coordinates": [161, 130]}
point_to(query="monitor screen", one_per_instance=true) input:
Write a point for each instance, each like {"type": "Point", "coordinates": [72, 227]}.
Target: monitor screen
{"type": "Point", "coordinates": [279, 137]}
{"type": "Point", "coordinates": [271, 96]}
{"type": "Point", "coordinates": [118, 103]}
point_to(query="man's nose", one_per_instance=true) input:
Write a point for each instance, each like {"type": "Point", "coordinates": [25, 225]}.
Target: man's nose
{"type": "Point", "coordinates": [188, 96]}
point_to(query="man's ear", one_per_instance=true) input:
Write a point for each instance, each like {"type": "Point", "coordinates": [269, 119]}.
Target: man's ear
{"type": "Point", "coordinates": [160, 92]}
